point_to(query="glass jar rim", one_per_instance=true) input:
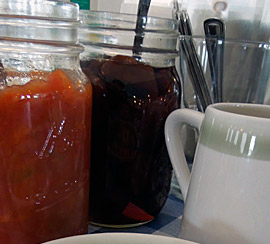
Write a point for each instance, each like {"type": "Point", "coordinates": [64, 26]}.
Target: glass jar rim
{"type": "Point", "coordinates": [55, 9]}
{"type": "Point", "coordinates": [44, 20]}
{"type": "Point", "coordinates": [116, 32]}
{"type": "Point", "coordinates": [17, 45]}
{"type": "Point", "coordinates": [100, 19]}
{"type": "Point", "coordinates": [229, 41]}
{"type": "Point", "coordinates": [122, 16]}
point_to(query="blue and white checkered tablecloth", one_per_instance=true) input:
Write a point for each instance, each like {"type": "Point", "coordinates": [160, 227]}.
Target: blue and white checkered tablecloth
{"type": "Point", "coordinates": [167, 223]}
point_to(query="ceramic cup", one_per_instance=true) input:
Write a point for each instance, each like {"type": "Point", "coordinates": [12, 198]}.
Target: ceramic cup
{"type": "Point", "coordinates": [227, 195]}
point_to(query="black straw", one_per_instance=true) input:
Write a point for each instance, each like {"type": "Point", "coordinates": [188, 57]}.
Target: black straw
{"type": "Point", "coordinates": [143, 8]}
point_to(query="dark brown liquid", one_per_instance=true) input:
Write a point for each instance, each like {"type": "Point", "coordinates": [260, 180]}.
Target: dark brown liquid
{"type": "Point", "coordinates": [130, 169]}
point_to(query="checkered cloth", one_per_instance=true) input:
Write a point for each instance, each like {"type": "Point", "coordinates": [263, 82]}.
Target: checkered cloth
{"type": "Point", "coordinates": [167, 223]}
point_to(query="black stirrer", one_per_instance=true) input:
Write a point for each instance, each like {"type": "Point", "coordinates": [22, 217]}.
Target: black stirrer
{"type": "Point", "coordinates": [143, 8]}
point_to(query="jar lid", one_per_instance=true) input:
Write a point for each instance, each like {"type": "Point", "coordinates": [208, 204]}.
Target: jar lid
{"type": "Point", "coordinates": [41, 20]}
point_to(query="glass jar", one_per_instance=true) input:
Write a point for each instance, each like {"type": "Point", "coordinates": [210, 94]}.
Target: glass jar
{"type": "Point", "coordinates": [135, 87]}
{"type": "Point", "coordinates": [45, 111]}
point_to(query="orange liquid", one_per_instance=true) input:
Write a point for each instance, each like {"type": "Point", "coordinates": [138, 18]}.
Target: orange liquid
{"type": "Point", "coordinates": [44, 159]}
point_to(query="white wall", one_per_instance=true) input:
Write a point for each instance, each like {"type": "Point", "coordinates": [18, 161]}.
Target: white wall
{"type": "Point", "coordinates": [159, 8]}
{"type": "Point", "coordinates": [106, 5]}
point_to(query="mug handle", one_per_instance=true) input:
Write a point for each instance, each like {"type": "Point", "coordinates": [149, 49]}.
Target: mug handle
{"type": "Point", "coordinates": [173, 126]}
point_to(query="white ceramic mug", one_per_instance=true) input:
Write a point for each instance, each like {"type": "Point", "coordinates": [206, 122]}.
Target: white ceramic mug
{"type": "Point", "coordinates": [227, 196]}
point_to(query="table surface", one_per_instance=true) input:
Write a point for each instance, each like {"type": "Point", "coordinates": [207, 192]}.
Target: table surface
{"type": "Point", "coordinates": [166, 223]}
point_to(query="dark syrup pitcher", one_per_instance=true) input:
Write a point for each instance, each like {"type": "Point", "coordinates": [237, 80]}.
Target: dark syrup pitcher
{"type": "Point", "coordinates": [130, 169]}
